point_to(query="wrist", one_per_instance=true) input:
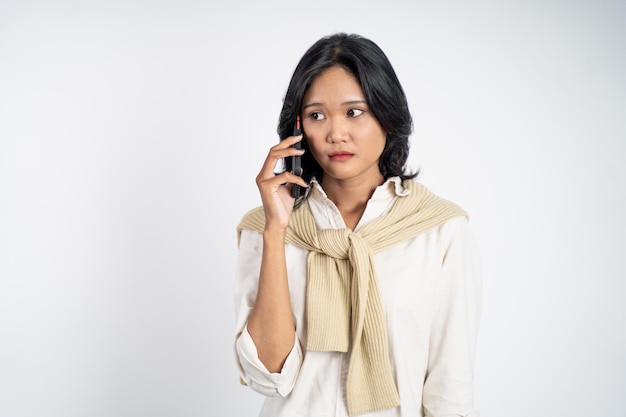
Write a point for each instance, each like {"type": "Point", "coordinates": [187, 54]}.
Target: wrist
{"type": "Point", "coordinates": [274, 233]}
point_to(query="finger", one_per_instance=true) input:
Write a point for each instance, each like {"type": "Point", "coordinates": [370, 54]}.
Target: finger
{"type": "Point", "coordinates": [288, 177]}
{"type": "Point", "coordinates": [272, 183]}
{"type": "Point", "coordinates": [290, 141]}
{"type": "Point", "coordinates": [281, 180]}
{"type": "Point", "coordinates": [274, 156]}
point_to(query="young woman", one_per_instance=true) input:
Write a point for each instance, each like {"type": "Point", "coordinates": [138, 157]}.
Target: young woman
{"type": "Point", "coordinates": [365, 298]}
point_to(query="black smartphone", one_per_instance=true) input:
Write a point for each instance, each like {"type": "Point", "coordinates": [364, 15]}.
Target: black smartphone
{"type": "Point", "coordinates": [295, 162]}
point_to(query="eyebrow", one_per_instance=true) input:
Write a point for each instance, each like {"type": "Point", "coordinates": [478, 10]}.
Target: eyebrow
{"type": "Point", "coordinates": [345, 103]}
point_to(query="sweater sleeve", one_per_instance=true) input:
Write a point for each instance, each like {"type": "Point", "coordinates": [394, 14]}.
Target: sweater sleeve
{"type": "Point", "coordinates": [251, 370]}
{"type": "Point", "coordinates": [448, 389]}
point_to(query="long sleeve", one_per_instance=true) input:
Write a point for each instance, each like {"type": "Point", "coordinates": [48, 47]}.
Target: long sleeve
{"type": "Point", "coordinates": [252, 371]}
{"type": "Point", "coordinates": [430, 288]}
{"type": "Point", "coordinates": [448, 389]}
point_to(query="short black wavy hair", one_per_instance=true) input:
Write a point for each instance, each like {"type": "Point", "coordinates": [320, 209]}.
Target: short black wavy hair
{"type": "Point", "coordinates": [383, 93]}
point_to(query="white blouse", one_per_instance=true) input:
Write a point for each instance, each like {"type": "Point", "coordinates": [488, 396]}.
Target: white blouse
{"type": "Point", "coordinates": [430, 288]}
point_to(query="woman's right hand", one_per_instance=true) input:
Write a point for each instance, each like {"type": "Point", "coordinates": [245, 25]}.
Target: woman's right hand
{"type": "Point", "coordinates": [270, 323]}
{"type": "Point", "coordinates": [275, 189]}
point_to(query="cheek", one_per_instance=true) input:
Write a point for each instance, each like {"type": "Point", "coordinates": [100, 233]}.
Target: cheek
{"type": "Point", "coordinates": [315, 151]}
{"type": "Point", "coordinates": [379, 137]}
{"type": "Point", "coordinates": [313, 137]}
{"type": "Point", "coordinates": [310, 129]}
{"type": "Point", "coordinates": [372, 135]}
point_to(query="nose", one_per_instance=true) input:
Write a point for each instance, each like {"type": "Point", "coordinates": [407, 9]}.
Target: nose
{"type": "Point", "coordinates": [338, 130]}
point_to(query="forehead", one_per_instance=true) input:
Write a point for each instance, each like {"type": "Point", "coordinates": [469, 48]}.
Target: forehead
{"type": "Point", "coordinates": [334, 83]}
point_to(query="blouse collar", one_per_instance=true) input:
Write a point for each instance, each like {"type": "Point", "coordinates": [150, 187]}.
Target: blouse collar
{"type": "Point", "coordinates": [328, 216]}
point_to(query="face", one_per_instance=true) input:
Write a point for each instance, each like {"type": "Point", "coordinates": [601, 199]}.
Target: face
{"type": "Point", "coordinates": [343, 135]}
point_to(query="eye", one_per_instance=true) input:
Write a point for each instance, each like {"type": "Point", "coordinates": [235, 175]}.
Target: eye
{"type": "Point", "coordinates": [355, 112]}
{"type": "Point", "coordinates": [317, 115]}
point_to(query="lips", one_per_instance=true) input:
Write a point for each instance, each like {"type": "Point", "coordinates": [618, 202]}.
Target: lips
{"type": "Point", "coordinates": [340, 156]}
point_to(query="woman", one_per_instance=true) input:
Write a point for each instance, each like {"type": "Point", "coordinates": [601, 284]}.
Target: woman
{"type": "Point", "coordinates": [364, 299]}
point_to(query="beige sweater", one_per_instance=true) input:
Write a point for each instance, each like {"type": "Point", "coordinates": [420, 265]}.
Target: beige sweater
{"type": "Point", "coordinates": [344, 312]}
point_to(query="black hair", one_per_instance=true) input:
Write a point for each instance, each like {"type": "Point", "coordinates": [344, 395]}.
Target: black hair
{"type": "Point", "coordinates": [383, 93]}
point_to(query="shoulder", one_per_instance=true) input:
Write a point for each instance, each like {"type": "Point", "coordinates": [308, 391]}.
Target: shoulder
{"type": "Point", "coordinates": [253, 220]}
{"type": "Point", "coordinates": [447, 232]}
{"type": "Point", "coordinates": [429, 207]}
{"type": "Point", "coordinates": [455, 226]}
{"type": "Point", "coordinates": [457, 241]}
{"type": "Point", "coordinates": [426, 194]}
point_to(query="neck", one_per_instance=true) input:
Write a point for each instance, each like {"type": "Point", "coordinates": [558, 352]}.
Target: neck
{"type": "Point", "coordinates": [350, 197]}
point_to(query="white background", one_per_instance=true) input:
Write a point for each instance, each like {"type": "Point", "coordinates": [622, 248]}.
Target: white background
{"type": "Point", "coordinates": [130, 136]}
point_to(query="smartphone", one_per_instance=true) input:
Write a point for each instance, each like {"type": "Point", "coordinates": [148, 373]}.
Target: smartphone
{"type": "Point", "coordinates": [295, 163]}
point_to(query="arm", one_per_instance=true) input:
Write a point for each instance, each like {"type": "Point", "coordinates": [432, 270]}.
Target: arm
{"type": "Point", "coordinates": [266, 345]}
{"type": "Point", "coordinates": [252, 370]}
{"type": "Point", "coordinates": [271, 324]}
{"type": "Point", "coordinates": [448, 389]}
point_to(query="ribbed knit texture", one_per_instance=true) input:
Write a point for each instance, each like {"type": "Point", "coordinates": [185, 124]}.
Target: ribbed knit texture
{"type": "Point", "coordinates": [342, 289]}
